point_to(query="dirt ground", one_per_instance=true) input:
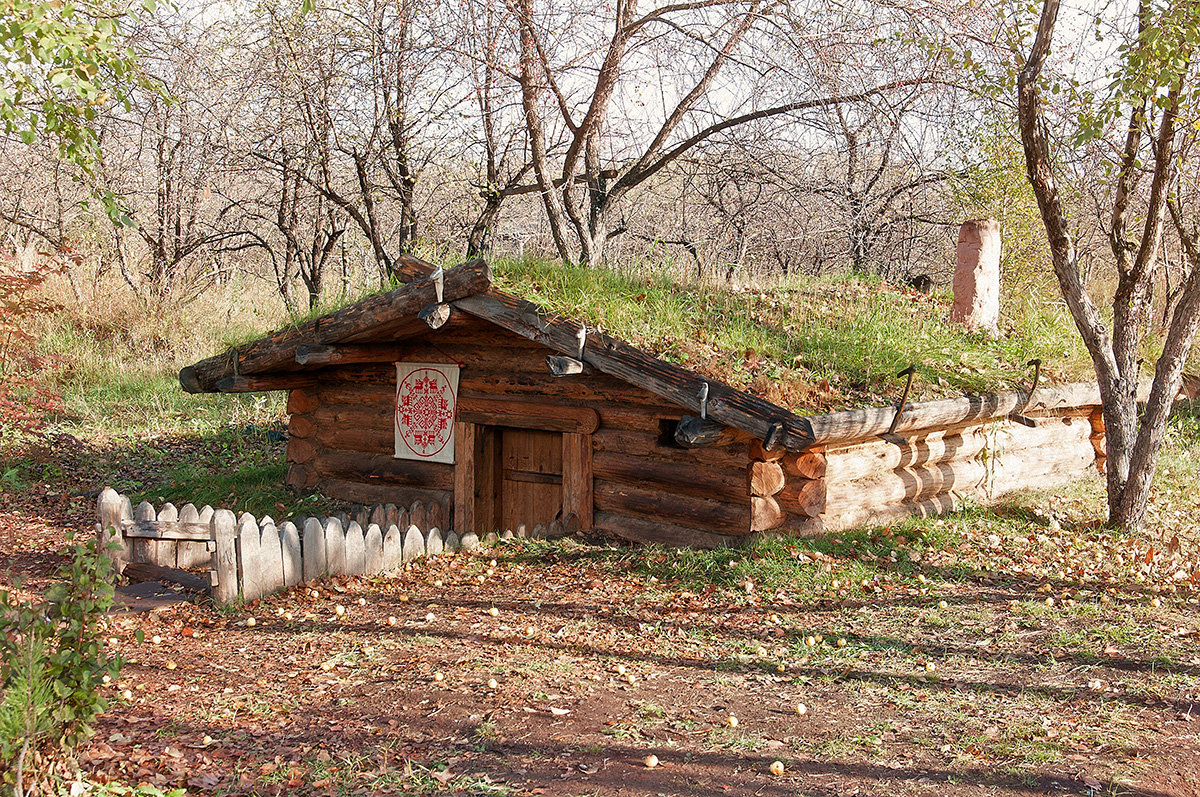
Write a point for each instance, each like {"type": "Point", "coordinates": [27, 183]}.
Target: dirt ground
{"type": "Point", "coordinates": [974, 666]}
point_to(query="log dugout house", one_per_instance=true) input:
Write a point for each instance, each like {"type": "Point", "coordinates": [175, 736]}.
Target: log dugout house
{"type": "Point", "coordinates": [556, 423]}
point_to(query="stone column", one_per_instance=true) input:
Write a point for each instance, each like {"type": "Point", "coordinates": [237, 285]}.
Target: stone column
{"type": "Point", "coordinates": [977, 276]}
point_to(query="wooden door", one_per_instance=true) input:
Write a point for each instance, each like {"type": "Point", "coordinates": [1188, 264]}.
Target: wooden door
{"type": "Point", "coordinates": [531, 467]}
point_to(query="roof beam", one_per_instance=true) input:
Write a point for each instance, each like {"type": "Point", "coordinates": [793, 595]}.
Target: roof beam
{"type": "Point", "coordinates": [278, 351]}
{"type": "Point", "coordinates": [346, 353]}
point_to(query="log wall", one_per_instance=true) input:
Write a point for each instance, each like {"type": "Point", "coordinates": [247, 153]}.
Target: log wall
{"type": "Point", "coordinates": [891, 477]}
{"type": "Point", "coordinates": [645, 487]}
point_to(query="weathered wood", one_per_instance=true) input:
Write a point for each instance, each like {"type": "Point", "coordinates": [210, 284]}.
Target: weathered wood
{"type": "Point", "coordinates": [382, 469]}
{"type": "Point", "coordinates": [766, 513]}
{"type": "Point", "coordinates": [380, 515]}
{"type": "Point", "coordinates": [356, 550]}
{"type": "Point", "coordinates": [438, 515]}
{"type": "Point", "coordinates": [764, 478]}
{"type": "Point", "coordinates": [433, 542]}
{"type": "Point", "coordinates": [182, 552]}
{"type": "Point", "coordinates": [142, 550]}
{"type": "Point", "coordinates": [684, 510]}
{"type": "Point", "coordinates": [166, 530]}
{"type": "Point", "coordinates": [527, 415]}
{"type": "Point", "coordinates": [414, 544]}
{"type": "Point", "coordinates": [656, 446]}
{"type": "Point", "coordinates": [264, 382]}
{"type": "Point", "coordinates": [465, 445]}
{"type": "Point", "coordinates": [451, 543]}
{"type": "Point", "coordinates": [393, 549]}
{"type": "Point", "coordinates": [487, 377]}
{"type": "Point", "coordinates": [313, 550]}
{"type": "Point", "coordinates": [300, 477]}
{"type": "Point", "coordinates": [354, 491]}
{"type": "Point", "coordinates": [279, 349]}
{"type": "Point", "coordinates": [335, 547]}
{"type": "Point", "coordinates": [878, 456]}
{"type": "Point", "coordinates": [302, 401]}
{"type": "Point", "coordinates": [841, 427]}
{"type": "Point", "coordinates": [370, 428]}
{"type": "Point", "coordinates": [759, 452]}
{"type": "Point", "coordinates": [270, 554]}
{"type": "Point", "coordinates": [193, 553]}
{"type": "Point", "coordinates": [315, 354]}
{"type": "Point", "coordinates": [137, 572]}
{"type": "Point", "coordinates": [794, 526]}
{"type": "Point", "coordinates": [373, 550]}
{"type": "Point", "coordinates": [111, 509]}
{"type": "Point", "coordinates": [225, 564]}
{"type": "Point", "coordinates": [905, 485]}
{"type": "Point", "coordinates": [1033, 468]}
{"type": "Point", "coordinates": [301, 426]}
{"type": "Point", "coordinates": [435, 315]}
{"type": "Point", "coordinates": [682, 478]}
{"type": "Point", "coordinates": [640, 529]}
{"type": "Point", "coordinates": [804, 497]}
{"type": "Point", "coordinates": [852, 517]}
{"type": "Point", "coordinates": [577, 478]}
{"type": "Point", "coordinates": [300, 450]}
{"type": "Point", "coordinates": [417, 516]}
{"type": "Point", "coordinates": [805, 465]}
{"type": "Point", "coordinates": [293, 560]}
{"type": "Point", "coordinates": [693, 432]}
{"type": "Point", "coordinates": [249, 554]}
{"type": "Point", "coordinates": [564, 366]}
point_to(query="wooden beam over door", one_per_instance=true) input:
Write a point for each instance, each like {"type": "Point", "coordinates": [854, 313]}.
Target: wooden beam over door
{"type": "Point", "coordinates": [577, 479]}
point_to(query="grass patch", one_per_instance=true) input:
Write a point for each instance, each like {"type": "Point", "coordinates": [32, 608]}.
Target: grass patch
{"type": "Point", "coordinates": [854, 332]}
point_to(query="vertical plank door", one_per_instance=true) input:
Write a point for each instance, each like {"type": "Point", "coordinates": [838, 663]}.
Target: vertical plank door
{"type": "Point", "coordinates": [531, 468]}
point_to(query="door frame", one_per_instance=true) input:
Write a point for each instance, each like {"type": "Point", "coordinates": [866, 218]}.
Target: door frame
{"type": "Point", "coordinates": [477, 477]}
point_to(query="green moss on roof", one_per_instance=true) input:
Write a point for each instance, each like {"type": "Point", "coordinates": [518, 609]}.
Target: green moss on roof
{"type": "Point", "coordinates": [807, 344]}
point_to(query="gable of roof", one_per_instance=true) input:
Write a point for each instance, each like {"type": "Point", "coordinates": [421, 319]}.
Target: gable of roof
{"type": "Point", "coordinates": [468, 289]}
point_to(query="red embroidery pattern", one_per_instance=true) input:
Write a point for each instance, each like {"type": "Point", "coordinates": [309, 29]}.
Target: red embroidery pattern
{"type": "Point", "coordinates": [425, 411]}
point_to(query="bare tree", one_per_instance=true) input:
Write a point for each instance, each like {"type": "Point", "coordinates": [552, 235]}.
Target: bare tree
{"type": "Point", "coordinates": [573, 103]}
{"type": "Point", "coordinates": [1156, 79]}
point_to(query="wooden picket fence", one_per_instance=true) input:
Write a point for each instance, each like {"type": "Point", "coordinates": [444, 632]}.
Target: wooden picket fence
{"type": "Point", "coordinates": [248, 558]}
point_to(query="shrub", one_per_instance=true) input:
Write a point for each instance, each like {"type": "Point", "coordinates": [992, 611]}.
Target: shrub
{"type": "Point", "coordinates": [24, 403]}
{"type": "Point", "coordinates": [53, 662]}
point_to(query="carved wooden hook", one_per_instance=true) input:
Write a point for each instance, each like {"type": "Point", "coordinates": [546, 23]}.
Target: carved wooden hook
{"type": "Point", "coordinates": [909, 371]}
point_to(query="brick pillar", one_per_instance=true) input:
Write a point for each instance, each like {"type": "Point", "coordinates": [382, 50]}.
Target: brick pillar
{"type": "Point", "coordinates": [977, 276]}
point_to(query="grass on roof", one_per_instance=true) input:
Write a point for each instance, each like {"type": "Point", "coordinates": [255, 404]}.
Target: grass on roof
{"type": "Point", "coordinates": [807, 344]}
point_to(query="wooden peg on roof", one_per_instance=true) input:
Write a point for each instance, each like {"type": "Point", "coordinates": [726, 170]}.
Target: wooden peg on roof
{"type": "Point", "coordinates": [439, 283]}
{"type": "Point", "coordinates": [1019, 416]}
{"type": "Point", "coordinates": [436, 315]}
{"type": "Point", "coordinates": [567, 366]}
{"type": "Point", "coordinates": [563, 366]}
{"type": "Point", "coordinates": [775, 435]}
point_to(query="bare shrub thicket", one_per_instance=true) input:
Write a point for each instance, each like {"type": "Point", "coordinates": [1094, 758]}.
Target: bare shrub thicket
{"type": "Point", "coordinates": [308, 148]}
